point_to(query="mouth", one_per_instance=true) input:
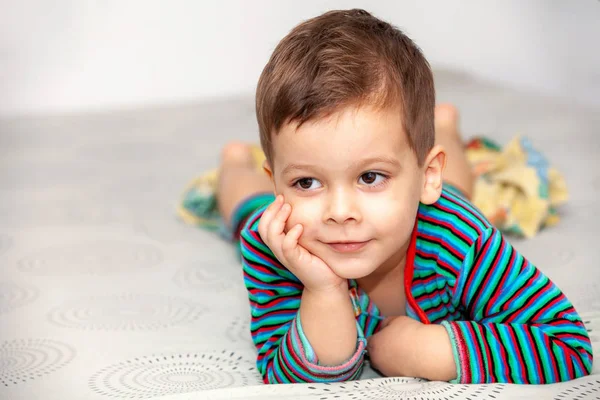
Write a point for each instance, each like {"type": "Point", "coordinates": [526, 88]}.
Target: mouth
{"type": "Point", "coordinates": [347, 247]}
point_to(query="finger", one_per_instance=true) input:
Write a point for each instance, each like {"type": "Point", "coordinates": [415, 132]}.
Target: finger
{"type": "Point", "coordinates": [277, 225]}
{"type": "Point", "coordinates": [268, 215]}
{"type": "Point", "coordinates": [289, 246]}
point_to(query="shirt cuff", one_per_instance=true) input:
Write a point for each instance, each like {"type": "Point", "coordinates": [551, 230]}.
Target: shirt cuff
{"type": "Point", "coordinates": [458, 350]}
{"type": "Point", "coordinates": [310, 359]}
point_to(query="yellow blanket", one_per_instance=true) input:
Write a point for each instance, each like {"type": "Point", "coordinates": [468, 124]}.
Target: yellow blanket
{"type": "Point", "coordinates": [516, 188]}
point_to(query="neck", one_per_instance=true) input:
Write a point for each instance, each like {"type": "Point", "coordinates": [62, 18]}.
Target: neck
{"type": "Point", "coordinates": [393, 266]}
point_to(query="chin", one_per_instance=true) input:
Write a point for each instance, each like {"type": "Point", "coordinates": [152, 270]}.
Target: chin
{"type": "Point", "coordinates": [351, 269]}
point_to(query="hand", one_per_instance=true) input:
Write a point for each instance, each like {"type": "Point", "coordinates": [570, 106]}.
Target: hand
{"type": "Point", "coordinates": [392, 349]}
{"type": "Point", "coordinates": [311, 270]}
{"type": "Point", "coordinates": [406, 347]}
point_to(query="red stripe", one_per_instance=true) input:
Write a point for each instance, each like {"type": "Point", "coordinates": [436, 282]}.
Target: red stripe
{"type": "Point", "coordinates": [442, 244]}
{"type": "Point", "coordinates": [495, 265]}
{"type": "Point", "coordinates": [477, 349]}
{"type": "Point", "coordinates": [248, 245]}
{"type": "Point", "coordinates": [516, 352]}
{"type": "Point", "coordinates": [260, 267]}
{"type": "Point", "coordinates": [267, 354]}
{"type": "Point", "coordinates": [462, 351]}
{"type": "Point", "coordinates": [533, 352]}
{"type": "Point", "coordinates": [457, 201]}
{"type": "Point", "coordinates": [500, 287]}
{"type": "Point", "coordinates": [260, 284]}
{"type": "Point", "coordinates": [408, 275]}
{"type": "Point", "coordinates": [505, 364]}
{"type": "Point", "coordinates": [274, 303]}
{"type": "Point", "coordinates": [261, 256]}
{"type": "Point", "coordinates": [476, 267]}
{"type": "Point", "coordinates": [518, 294]}
{"type": "Point", "coordinates": [541, 291]}
{"type": "Point", "coordinates": [266, 329]}
{"type": "Point", "coordinates": [435, 295]}
{"type": "Point", "coordinates": [254, 280]}
{"type": "Point", "coordinates": [256, 291]}
{"type": "Point", "coordinates": [440, 263]}
{"type": "Point", "coordinates": [575, 336]}
{"type": "Point", "coordinates": [547, 307]}
{"type": "Point", "coordinates": [425, 281]}
{"type": "Point", "coordinates": [488, 275]}
{"type": "Point", "coordinates": [447, 225]}
{"type": "Point", "coordinates": [282, 360]}
{"type": "Point", "coordinates": [567, 350]}
{"type": "Point", "coordinates": [490, 366]}
{"type": "Point", "coordinates": [551, 356]}
{"type": "Point", "coordinates": [436, 308]}
{"type": "Point", "coordinates": [458, 214]}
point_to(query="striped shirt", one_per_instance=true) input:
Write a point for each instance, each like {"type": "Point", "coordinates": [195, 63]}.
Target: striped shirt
{"type": "Point", "coordinates": [507, 322]}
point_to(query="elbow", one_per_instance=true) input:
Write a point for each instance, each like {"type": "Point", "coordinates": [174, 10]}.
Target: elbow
{"type": "Point", "coordinates": [586, 355]}
{"type": "Point", "coordinates": [588, 361]}
{"type": "Point", "coordinates": [581, 362]}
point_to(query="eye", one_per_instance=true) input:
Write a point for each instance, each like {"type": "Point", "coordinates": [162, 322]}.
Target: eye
{"type": "Point", "coordinates": [308, 183]}
{"type": "Point", "coordinates": [372, 178]}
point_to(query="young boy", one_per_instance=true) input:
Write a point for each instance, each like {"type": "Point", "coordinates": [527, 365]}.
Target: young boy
{"type": "Point", "coordinates": [367, 250]}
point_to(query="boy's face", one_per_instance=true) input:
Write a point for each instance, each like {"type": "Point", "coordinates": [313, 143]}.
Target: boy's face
{"type": "Point", "coordinates": [354, 184]}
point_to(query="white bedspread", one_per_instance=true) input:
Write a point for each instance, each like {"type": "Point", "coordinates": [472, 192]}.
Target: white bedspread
{"type": "Point", "coordinates": [105, 294]}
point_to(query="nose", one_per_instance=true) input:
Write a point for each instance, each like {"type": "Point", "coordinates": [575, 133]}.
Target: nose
{"type": "Point", "coordinates": [341, 207]}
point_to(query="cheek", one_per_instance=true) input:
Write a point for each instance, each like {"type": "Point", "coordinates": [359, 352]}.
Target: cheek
{"type": "Point", "coordinates": [390, 213]}
{"type": "Point", "coordinates": [385, 216]}
{"type": "Point", "coordinates": [306, 213]}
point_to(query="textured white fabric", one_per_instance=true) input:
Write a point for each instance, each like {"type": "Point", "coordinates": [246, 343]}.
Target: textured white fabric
{"type": "Point", "coordinates": [105, 294]}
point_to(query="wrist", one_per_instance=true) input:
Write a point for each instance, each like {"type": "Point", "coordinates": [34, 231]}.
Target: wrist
{"type": "Point", "coordinates": [414, 344]}
{"type": "Point", "coordinates": [435, 360]}
{"type": "Point", "coordinates": [329, 290]}
{"type": "Point", "coordinates": [329, 325]}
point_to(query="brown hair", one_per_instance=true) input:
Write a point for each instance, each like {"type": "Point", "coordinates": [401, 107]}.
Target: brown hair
{"type": "Point", "coordinates": [344, 58]}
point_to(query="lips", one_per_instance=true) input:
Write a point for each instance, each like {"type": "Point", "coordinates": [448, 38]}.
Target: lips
{"type": "Point", "coordinates": [348, 247]}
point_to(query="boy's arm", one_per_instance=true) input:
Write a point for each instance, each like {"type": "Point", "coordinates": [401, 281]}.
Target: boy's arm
{"type": "Point", "coordinates": [520, 328]}
{"type": "Point", "coordinates": [329, 325]}
{"type": "Point", "coordinates": [278, 304]}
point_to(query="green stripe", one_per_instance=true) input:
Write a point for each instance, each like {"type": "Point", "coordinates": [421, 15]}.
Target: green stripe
{"type": "Point", "coordinates": [557, 353]}
{"type": "Point", "coordinates": [481, 348]}
{"type": "Point", "coordinates": [529, 361]}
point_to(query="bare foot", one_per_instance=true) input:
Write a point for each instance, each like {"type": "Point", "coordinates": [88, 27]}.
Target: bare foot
{"type": "Point", "coordinates": [237, 153]}
{"type": "Point", "coordinates": [446, 120]}
{"type": "Point", "coordinates": [458, 170]}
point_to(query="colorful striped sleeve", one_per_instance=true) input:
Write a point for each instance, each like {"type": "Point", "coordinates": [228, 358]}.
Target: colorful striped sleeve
{"type": "Point", "coordinates": [284, 353]}
{"type": "Point", "coordinates": [520, 327]}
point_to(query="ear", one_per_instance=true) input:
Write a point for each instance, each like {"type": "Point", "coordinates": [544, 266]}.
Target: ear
{"type": "Point", "coordinates": [433, 169]}
{"type": "Point", "coordinates": [268, 170]}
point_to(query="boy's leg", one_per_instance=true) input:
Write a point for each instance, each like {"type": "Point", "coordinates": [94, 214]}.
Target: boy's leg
{"type": "Point", "coordinates": [238, 179]}
{"type": "Point", "coordinates": [458, 170]}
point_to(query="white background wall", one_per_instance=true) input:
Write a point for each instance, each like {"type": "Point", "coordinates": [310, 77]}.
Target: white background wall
{"type": "Point", "coordinates": [77, 55]}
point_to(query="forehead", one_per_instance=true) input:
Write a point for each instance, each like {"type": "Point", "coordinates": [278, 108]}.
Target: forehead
{"type": "Point", "coordinates": [345, 136]}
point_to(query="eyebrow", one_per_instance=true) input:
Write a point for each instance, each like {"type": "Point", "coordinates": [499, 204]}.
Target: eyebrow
{"type": "Point", "coordinates": [355, 165]}
{"type": "Point", "coordinates": [374, 160]}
